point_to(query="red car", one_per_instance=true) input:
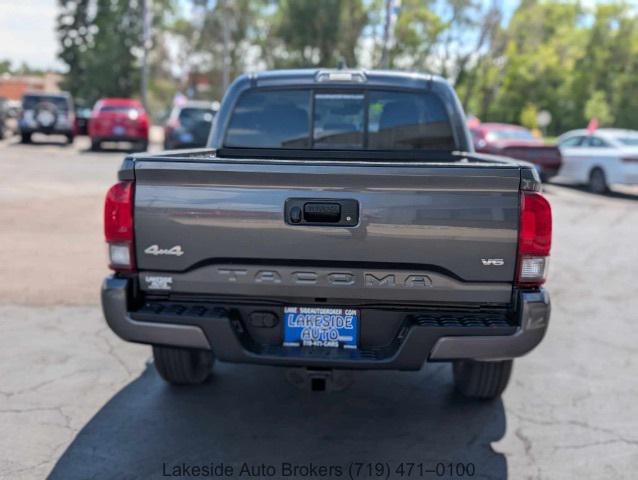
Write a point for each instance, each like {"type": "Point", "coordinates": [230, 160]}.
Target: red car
{"type": "Point", "coordinates": [119, 120]}
{"type": "Point", "coordinates": [516, 142]}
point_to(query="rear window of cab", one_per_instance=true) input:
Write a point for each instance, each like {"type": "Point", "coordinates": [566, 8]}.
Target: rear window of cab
{"type": "Point", "coordinates": [30, 102]}
{"type": "Point", "coordinates": [338, 120]}
{"type": "Point", "coordinates": [118, 107]}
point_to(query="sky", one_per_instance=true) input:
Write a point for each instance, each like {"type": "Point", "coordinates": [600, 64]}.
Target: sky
{"type": "Point", "coordinates": [27, 31]}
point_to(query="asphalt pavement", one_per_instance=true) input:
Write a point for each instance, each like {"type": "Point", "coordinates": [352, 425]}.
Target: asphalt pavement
{"type": "Point", "coordinates": [78, 403]}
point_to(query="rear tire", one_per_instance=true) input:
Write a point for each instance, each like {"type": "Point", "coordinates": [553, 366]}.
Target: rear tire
{"type": "Point", "coordinates": [69, 139]}
{"type": "Point", "coordinates": [25, 137]}
{"type": "Point", "coordinates": [482, 380]}
{"type": "Point", "coordinates": [598, 181]}
{"type": "Point", "coordinates": [142, 146]}
{"type": "Point", "coordinates": [95, 145]}
{"type": "Point", "coordinates": [182, 366]}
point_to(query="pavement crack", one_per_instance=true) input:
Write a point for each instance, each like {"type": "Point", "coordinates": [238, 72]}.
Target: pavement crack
{"type": "Point", "coordinates": [594, 444]}
{"type": "Point", "coordinates": [529, 453]}
{"type": "Point", "coordinates": [112, 352]}
{"type": "Point", "coordinates": [66, 418]}
{"type": "Point", "coordinates": [43, 384]}
{"type": "Point", "coordinates": [617, 437]}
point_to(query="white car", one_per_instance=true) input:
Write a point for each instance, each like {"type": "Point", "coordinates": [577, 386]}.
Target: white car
{"type": "Point", "coordinates": [599, 159]}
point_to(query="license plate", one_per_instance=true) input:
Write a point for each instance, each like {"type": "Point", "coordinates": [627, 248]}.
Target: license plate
{"type": "Point", "coordinates": [119, 131]}
{"type": "Point", "coordinates": [186, 137]}
{"type": "Point", "coordinates": [321, 327]}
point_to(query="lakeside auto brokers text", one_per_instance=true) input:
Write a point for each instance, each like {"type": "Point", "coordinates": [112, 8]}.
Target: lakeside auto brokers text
{"type": "Point", "coordinates": [353, 470]}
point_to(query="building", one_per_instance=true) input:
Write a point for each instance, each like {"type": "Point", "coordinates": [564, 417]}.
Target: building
{"type": "Point", "coordinates": [13, 87]}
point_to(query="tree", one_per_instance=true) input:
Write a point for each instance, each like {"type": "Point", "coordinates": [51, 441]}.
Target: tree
{"type": "Point", "coordinates": [354, 17]}
{"type": "Point", "coordinates": [597, 107]}
{"type": "Point", "coordinates": [610, 65]}
{"type": "Point", "coordinates": [557, 56]}
{"type": "Point", "coordinates": [101, 45]}
{"type": "Point", "coordinates": [113, 66]}
{"type": "Point", "coordinates": [553, 54]}
{"type": "Point", "coordinates": [529, 116]}
{"type": "Point", "coordinates": [532, 60]}
{"type": "Point", "coordinates": [487, 40]}
{"type": "Point", "coordinates": [310, 33]}
{"type": "Point", "coordinates": [5, 66]}
{"type": "Point", "coordinates": [75, 33]}
{"type": "Point", "coordinates": [200, 39]}
{"type": "Point", "coordinates": [416, 34]}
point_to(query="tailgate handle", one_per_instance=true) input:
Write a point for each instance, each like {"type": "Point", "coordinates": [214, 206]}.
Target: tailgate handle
{"type": "Point", "coordinates": [322, 212]}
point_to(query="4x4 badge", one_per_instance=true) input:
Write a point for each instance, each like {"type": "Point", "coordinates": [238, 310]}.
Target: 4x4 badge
{"type": "Point", "coordinates": [155, 250]}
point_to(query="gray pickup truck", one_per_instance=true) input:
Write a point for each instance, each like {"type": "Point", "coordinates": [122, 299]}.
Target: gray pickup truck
{"type": "Point", "coordinates": [338, 220]}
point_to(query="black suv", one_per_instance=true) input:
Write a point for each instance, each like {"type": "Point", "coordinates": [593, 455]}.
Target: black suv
{"type": "Point", "coordinates": [189, 125]}
{"type": "Point", "coordinates": [48, 113]}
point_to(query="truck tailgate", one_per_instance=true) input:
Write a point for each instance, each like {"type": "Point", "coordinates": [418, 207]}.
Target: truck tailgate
{"type": "Point", "coordinates": [424, 232]}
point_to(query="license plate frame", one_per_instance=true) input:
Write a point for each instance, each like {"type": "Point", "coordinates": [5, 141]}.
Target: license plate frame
{"type": "Point", "coordinates": [321, 327]}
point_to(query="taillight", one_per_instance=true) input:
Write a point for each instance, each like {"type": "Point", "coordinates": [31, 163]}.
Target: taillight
{"type": "Point", "coordinates": [118, 226]}
{"type": "Point", "coordinates": [534, 240]}
{"type": "Point", "coordinates": [143, 124]}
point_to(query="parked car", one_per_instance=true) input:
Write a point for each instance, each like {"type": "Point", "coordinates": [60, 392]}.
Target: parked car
{"type": "Point", "coordinates": [4, 117]}
{"type": "Point", "coordinates": [12, 114]}
{"type": "Point", "coordinates": [516, 142]}
{"type": "Point", "coordinates": [82, 117]}
{"type": "Point", "coordinates": [189, 125]}
{"type": "Point", "coordinates": [47, 113]}
{"type": "Point", "coordinates": [119, 120]}
{"type": "Point", "coordinates": [339, 220]}
{"type": "Point", "coordinates": [599, 158]}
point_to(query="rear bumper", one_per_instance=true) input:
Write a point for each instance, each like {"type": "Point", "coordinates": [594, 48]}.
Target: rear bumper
{"type": "Point", "coordinates": [47, 131]}
{"type": "Point", "coordinates": [220, 331]}
{"type": "Point", "coordinates": [122, 138]}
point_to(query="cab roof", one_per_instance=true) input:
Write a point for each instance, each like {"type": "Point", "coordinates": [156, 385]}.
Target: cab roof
{"type": "Point", "coordinates": [349, 77]}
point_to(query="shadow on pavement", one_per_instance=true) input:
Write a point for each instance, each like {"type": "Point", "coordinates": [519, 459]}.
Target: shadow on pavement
{"type": "Point", "coordinates": [41, 143]}
{"type": "Point", "coordinates": [252, 414]}
{"type": "Point", "coordinates": [110, 149]}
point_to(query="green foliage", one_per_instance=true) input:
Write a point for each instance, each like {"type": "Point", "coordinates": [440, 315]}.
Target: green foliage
{"type": "Point", "coordinates": [560, 57]}
{"type": "Point", "coordinates": [598, 107]}
{"type": "Point", "coordinates": [200, 41]}
{"type": "Point", "coordinates": [112, 65]}
{"type": "Point", "coordinates": [311, 33]}
{"type": "Point", "coordinates": [416, 33]}
{"type": "Point", "coordinates": [5, 66]}
{"type": "Point", "coordinates": [75, 33]}
{"type": "Point", "coordinates": [101, 44]}
{"type": "Point", "coordinates": [529, 116]}
{"type": "Point", "coordinates": [98, 48]}
{"type": "Point", "coordinates": [552, 55]}
{"type": "Point", "coordinates": [23, 69]}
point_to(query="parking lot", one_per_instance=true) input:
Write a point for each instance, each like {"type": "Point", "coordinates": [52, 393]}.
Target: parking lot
{"type": "Point", "coordinates": [76, 401]}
